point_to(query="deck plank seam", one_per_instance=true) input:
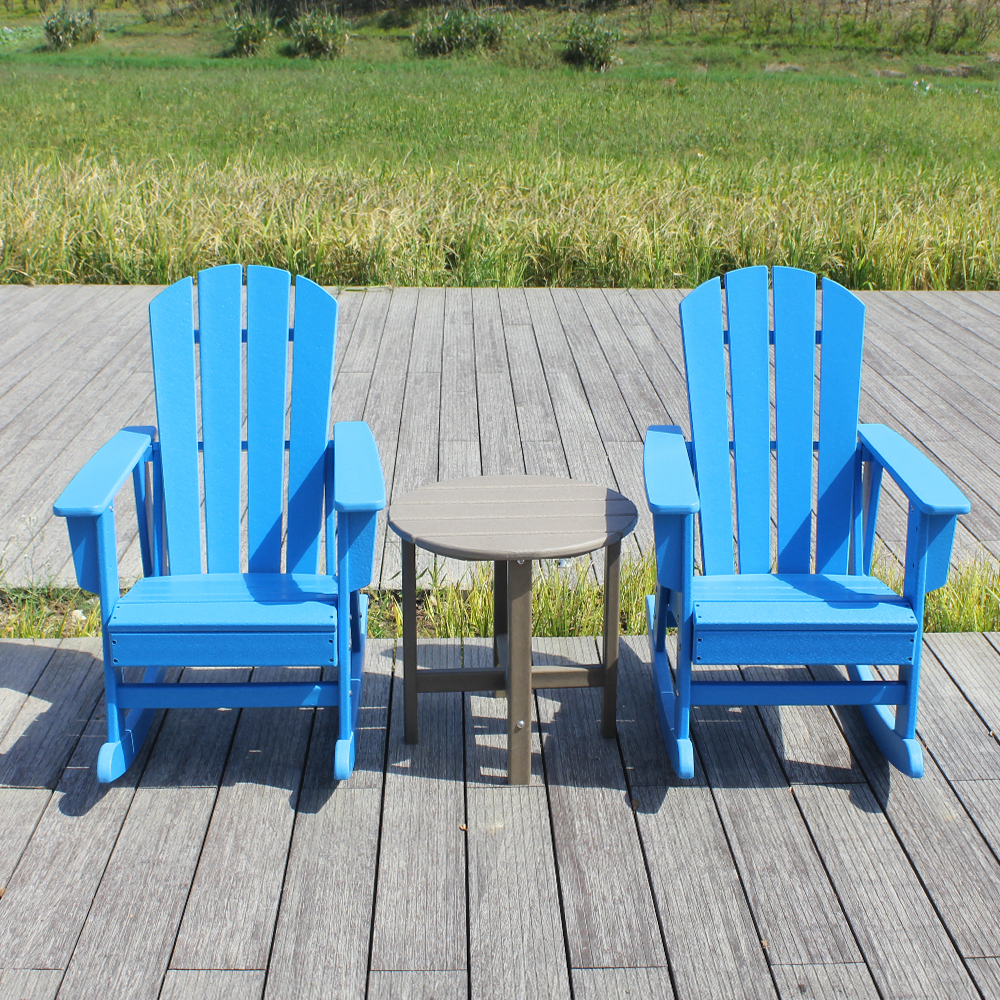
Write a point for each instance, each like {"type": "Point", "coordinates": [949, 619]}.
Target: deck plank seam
{"type": "Point", "coordinates": [645, 854]}
{"type": "Point", "coordinates": [158, 724]}
{"type": "Point", "coordinates": [288, 848]}
{"type": "Point", "coordinates": [381, 820]}
{"type": "Point", "coordinates": [555, 851]}
{"type": "Point", "coordinates": [204, 837]}
{"type": "Point", "coordinates": [903, 848]}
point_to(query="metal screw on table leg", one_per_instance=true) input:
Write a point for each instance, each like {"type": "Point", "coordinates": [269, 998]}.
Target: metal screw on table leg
{"type": "Point", "coordinates": [612, 598]}
{"type": "Point", "coordinates": [499, 607]}
{"type": "Point", "coordinates": [519, 672]}
{"type": "Point", "coordinates": [410, 733]}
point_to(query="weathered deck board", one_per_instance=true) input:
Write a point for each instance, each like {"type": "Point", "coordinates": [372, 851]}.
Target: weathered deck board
{"type": "Point", "coordinates": [423, 816]}
{"type": "Point", "coordinates": [608, 904]}
{"type": "Point", "coordinates": [312, 959]}
{"type": "Point", "coordinates": [576, 881]}
{"type": "Point", "coordinates": [229, 917]}
{"type": "Point", "coordinates": [461, 382]}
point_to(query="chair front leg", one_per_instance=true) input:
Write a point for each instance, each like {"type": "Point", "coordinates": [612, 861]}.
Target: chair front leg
{"type": "Point", "coordinates": [345, 752]}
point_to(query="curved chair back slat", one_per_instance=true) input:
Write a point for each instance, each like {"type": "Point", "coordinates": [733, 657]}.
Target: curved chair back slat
{"type": "Point", "coordinates": [208, 368]}
{"type": "Point", "coordinates": [755, 376]}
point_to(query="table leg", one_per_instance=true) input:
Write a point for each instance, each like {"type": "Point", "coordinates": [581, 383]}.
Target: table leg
{"type": "Point", "coordinates": [410, 733]}
{"type": "Point", "coordinates": [519, 672]}
{"type": "Point", "coordinates": [499, 607]}
{"type": "Point", "coordinates": [612, 604]}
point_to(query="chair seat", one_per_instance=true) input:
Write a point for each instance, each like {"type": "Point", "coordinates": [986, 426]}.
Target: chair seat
{"type": "Point", "coordinates": [800, 618]}
{"type": "Point", "coordinates": [229, 602]}
{"type": "Point", "coordinates": [799, 600]}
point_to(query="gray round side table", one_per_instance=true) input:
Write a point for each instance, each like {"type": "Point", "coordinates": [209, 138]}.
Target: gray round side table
{"type": "Point", "coordinates": [511, 520]}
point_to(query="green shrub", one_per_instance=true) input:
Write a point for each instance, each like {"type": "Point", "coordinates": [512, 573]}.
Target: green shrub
{"type": "Point", "coordinates": [591, 42]}
{"type": "Point", "coordinates": [459, 31]}
{"type": "Point", "coordinates": [249, 32]}
{"type": "Point", "coordinates": [64, 28]}
{"type": "Point", "coordinates": [319, 35]}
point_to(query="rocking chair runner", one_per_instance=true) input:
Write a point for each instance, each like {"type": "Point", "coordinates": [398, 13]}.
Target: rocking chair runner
{"type": "Point", "coordinates": [178, 615]}
{"type": "Point", "coordinates": [739, 611]}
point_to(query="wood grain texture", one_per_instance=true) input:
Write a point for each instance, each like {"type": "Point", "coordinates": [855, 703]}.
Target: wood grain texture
{"type": "Point", "coordinates": [212, 984]}
{"type": "Point", "coordinates": [957, 737]}
{"type": "Point", "coordinates": [973, 663]}
{"type": "Point", "coordinates": [20, 811]}
{"type": "Point", "coordinates": [793, 902]}
{"type": "Point", "coordinates": [21, 664]}
{"type": "Point", "coordinates": [420, 923]}
{"type": "Point", "coordinates": [956, 867]}
{"type": "Point", "coordinates": [29, 984]}
{"type": "Point", "coordinates": [903, 942]}
{"type": "Point", "coordinates": [229, 917]}
{"type": "Point", "coordinates": [810, 747]}
{"type": "Point", "coordinates": [824, 982]}
{"type": "Point", "coordinates": [517, 950]}
{"type": "Point", "coordinates": [51, 892]}
{"type": "Point", "coordinates": [986, 972]}
{"type": "Point", "coordinates": [321, 941]}
{"type": "Point", "coordinates": [607, 901]}
{"type": "Point", "coordinates": [696, 884]}
{"type": "Point", "coordinates": [981, 800]}
{"type": "Point", "coordinates": [620, 984]}
{"type": "Point", "coordinates": [42, 736]}
{"type": "Point", "coordinates": [418, 986]}
{"type": "Point", "coordinates": [138, 907]}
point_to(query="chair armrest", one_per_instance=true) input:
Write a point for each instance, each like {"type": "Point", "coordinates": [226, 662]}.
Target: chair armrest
{"type": "Point", "coordinates": [95, 486]}
{"type": "Point", "coordinates": [925, 485]}
{"type": "Point", "coordinates": [358, 483]}
{"type": "Point", "coordinates": [670, 487]}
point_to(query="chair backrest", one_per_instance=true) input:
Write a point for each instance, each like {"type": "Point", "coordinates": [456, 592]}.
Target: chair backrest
{"type": "Point", "coordinates": [752, 392]}
{"type": "Point", "coordinates": [243, 410]}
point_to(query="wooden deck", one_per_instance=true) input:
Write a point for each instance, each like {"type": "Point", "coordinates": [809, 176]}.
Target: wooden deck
{"type": "Point", "coordinates": [458, 382]}
{"type": "Point", "coordinates": [227, 865]}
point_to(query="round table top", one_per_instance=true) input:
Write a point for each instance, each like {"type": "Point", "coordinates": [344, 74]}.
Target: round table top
{"type": "Point", "coordinates": [512, 517]}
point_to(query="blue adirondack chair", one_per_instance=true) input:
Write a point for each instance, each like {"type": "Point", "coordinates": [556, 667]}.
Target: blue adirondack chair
{"type": "Point", "coordinates": [821, 606]}
{"type": "Point", "coordinates": [194, 606]}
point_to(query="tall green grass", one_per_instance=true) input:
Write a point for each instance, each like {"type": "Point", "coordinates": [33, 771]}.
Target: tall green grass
{"type": "Point", "coordinates": [565, 602]}
{"type": "Point", "coordinates": [556, 221]}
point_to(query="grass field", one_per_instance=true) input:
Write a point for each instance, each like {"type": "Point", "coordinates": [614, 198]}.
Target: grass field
{"type": "Point", "coordinates": [147, 155]}
{"type": "Point", "coordinates": [563, 603]}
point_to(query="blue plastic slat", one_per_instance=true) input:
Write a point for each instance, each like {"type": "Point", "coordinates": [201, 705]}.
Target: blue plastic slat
{"type": "Point", "coordinates": [220, 331]}
{"type": "Point", "coordinates": [141, 496]}
{"type": "Point", "coordinates": [754, 588]}
{"type": "Point", "coordinates": [808, 693]}
{"type": "Point", "coordinates": [297, 694]}
{"type": "Point", "coordinates": [803, 647]}
{"type": "Point", "coordinates": [262, 588]}
{"type": "Point", "coordinates": [312, 386]}
{"type": "Point", "coordinates": [891, 614]}
{"type": "Point", "coordinates": [749, 328]}
{"type": "Point", "coordinates": [221, 649]}
{"type": "Point", "coordinates": [840, 393]}
{"type": "Point", "coordinates": [925, 485]}
{"type": "Point", "coordinates": [267, 367]}
{"type": "Point", "coordinates": [704, 357]}
{"type": "Point", "coordinates": [171, 324]}
{"type": "Point", "coordinates": [794, 389]}
{"type": "Point", "coordinates": [94, 487]}
{"type": "Point", "coordinates": [224, 616]}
